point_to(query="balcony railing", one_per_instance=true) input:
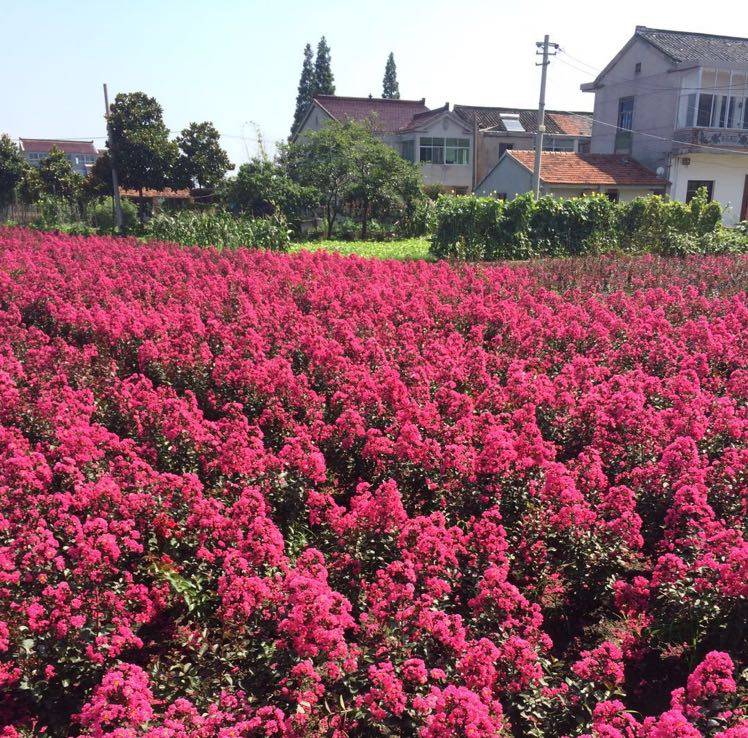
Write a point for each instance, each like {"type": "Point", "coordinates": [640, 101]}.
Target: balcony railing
{"type": "Point", "coordinates": [727, 137]}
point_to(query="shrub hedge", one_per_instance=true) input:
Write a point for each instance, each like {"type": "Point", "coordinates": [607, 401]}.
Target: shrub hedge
{"type": "Point", "coordinates": [483, 228]}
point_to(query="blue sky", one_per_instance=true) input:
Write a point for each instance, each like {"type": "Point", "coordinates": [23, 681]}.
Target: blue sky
{"type": "Point", "coordinates": [237, 62]}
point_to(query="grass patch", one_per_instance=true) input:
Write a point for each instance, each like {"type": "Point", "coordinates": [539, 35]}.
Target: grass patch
{"type": "Point", "coordinates": [407, 248]}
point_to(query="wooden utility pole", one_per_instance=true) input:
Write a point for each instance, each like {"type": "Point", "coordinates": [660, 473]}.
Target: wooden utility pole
{"type": "Point", "coordinates": [115, 180]}
{"type": "Point", "coordinates": [544, 45]}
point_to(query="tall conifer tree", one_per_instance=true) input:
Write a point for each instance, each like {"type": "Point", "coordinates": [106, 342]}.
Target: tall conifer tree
{"type": "Point", "coordinates": [306, 88]}
{"type": "Point", "coordinates": [324, 82]}
{"type": "Point", "coordinates": [390, 87]}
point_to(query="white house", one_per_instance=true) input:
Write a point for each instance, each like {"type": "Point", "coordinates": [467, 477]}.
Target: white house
{"type": "Point", "coordinates": [569, 174]}
{"type": "Point", "coordinates": [81, 154]}
{"type": "Point", "coordinates": [438, 140]}
{"type": "Point", "coordinates": [678, 103]}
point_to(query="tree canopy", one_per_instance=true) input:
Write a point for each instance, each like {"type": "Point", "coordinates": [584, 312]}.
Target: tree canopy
{"type": "Point", "coordinates": [345, 164]}
{"type": "Point", "coordinates": [139, 142]}
{"type": "Point", "coordinates": [58, 177]}
{"type": "Point", "coordinates": [390, 86]}
{"type": "Point", "coordinates": [263, 187]}
{"type": "Point", "coordinates": [202, 159]}
{"type": "Point", "coordinates": [12, 165]}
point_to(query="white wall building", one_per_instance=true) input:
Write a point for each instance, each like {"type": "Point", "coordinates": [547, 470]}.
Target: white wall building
{"type": "Point", "coordinates": [678, 103]}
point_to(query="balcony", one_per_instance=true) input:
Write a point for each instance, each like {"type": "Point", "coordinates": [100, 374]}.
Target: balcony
{"type": "Point", "coordinates": [730, 138]}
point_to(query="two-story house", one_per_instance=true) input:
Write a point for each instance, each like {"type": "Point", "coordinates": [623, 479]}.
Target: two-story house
{"type": "Point", "coordinates": [438, 140]}
{"type": "Point", "coordinates": [677, 102]}
{"type": "Point", "coordinates": [81, 154]}
{"type": "Point", "coordinates": [503, 129]}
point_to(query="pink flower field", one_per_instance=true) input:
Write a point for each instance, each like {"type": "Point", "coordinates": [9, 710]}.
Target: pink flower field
{"type": "Point", "coordinates": [249, 494]}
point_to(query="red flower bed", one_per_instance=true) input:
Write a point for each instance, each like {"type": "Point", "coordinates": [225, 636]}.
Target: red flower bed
{"type": "Point", "coordinates": [266, 495]}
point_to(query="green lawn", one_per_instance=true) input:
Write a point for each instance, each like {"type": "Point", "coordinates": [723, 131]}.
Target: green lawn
{"type": "Point", "coordinates": [407, 248]}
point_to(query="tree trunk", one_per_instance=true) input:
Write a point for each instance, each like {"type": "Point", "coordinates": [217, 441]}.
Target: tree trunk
{"type": "Point", "coordinates": [365, 221]}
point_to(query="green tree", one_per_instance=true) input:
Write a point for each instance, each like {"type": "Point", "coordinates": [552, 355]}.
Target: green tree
{"type": "Point", "coordinates": [390, 86]}
{"type": "Point", "coordinates": [306, 89]}
{"type": "Point", "coordinates": [98, 182]}
{"type": "Point", "coordinates": [58, 177]}
{"type": "Point", "coordinates": [262, 187]}
{"type": "Point", "coordinates": [324, 82]}
{"type": "Point", "coordinates": [30, 186]}
{"type": "Point", "coordinates": [12, 165]}
{"type": "Point", "coordinates": [139, 143]}
{"type": "Point", "coordinates": [347, 166]}
{"type": "Point", "coordinates": [202, 159]}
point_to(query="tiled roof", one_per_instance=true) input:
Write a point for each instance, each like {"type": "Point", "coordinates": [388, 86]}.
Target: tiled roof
{"type": "Point", "coordinates": [167, 194]}
{"type": "Point", "coordinates": [44, 145]}
{"type": "Point", "coordinates": [684, 46]}
{"type": "Point", "coordinates": [388, 115]}
{"type": "Point", "coordinates": [556, 122]}
{"type": "Point", "coordinates": [589, 169]}
{"type": "Point", "coordinates": [421, 119]}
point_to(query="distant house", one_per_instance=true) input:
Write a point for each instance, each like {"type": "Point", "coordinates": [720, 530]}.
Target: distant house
{"type": "Point", "coordinates": [567, 174]}
{"type": "Point", "coordinates": [438, 140]}
{"type": "Point", "coordinates": [454, 147]}
{"type": "Point", "coordinates": [80, 154]}
{"type": "Point", "coordinates": [504, 129]}
{"type": "Point", "coordinates": [677, 102]}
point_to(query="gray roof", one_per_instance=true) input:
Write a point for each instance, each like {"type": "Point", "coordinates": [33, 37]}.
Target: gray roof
{"type": "Point", "coordinates": [684, 46]}
{"type": "Point", "coordinates": [556, 121]}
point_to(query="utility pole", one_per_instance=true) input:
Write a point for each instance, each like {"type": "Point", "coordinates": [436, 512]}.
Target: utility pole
{"type": "Point", "coordinates": [545, 44]}
{"type": "Point", "coordinates": [115, 180]}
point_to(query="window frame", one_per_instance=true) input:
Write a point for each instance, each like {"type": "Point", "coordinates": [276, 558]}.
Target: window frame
{"type": "Point", "coordinates": [694, 185]}
{"type": "Point", "coordinates": [437, 150]}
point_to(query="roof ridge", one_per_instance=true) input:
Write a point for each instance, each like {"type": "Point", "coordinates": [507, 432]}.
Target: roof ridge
{"type": "Point", "coordinates": [509, 109]}
{"type": "Point", "coordinates": [690, 33]}
{"type": "Point", "coordinates": [422, 101]}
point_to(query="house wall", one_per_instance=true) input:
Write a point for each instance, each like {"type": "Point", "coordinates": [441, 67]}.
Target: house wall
{"type": "Point", "coordinates": [728, 171]}
{"type": "Point", "coordinates": [489, 144]}
{"type": "Point", "coordinates": [448, 175]}
{"type": "Point", "coordinates": [316, 119]}
{"type": "Point", "coordinates": [654, 108]}
{"type": "Point", "coordinates": [509, 177]}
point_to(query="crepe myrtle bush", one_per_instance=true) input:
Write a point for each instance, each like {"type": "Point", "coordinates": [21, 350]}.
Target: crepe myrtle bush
{"type": "Point", "coordinates": [245, 493]}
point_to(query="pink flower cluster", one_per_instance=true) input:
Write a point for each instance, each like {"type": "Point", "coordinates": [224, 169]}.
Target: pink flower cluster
{"type": "Point", "coordinates": [251, 494]}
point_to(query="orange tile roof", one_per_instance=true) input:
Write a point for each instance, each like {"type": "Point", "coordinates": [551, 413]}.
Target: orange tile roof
{"type": "Point", "coordinates": [575, 125]}
{"type": "Point", "coordinates": [167, 193]}
{"type": "Point", "coordinates": [589, 169]}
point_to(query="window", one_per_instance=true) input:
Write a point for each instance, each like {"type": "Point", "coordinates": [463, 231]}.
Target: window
{"type": "Point", "coordinates": [457, 151]}
{"type": "Point", "coordinates": [694, 185]}
{"type": "Point", "coordinates": [408, 150]}
{"type": "Point", "coordinates": [626, 113]}
{"type": "Point", "coordinates": [437, 150]}
{"type": "Point", "coordinates": [432, 150]}
{"type": "Point", "coordinates": [638, 68]}
{"type": "Point", "coordinates": [714, 99]}
{"type": "Point", "coordinates": [583, 147]}
{"type": "Point", "coordinates": [612, 195]}
{"type": "Point", "coordinates": [504, 147]}
{"type": "Point", "coordinates": [625, 124]}
{"type": "Point", "coordinates": [558, 144]}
